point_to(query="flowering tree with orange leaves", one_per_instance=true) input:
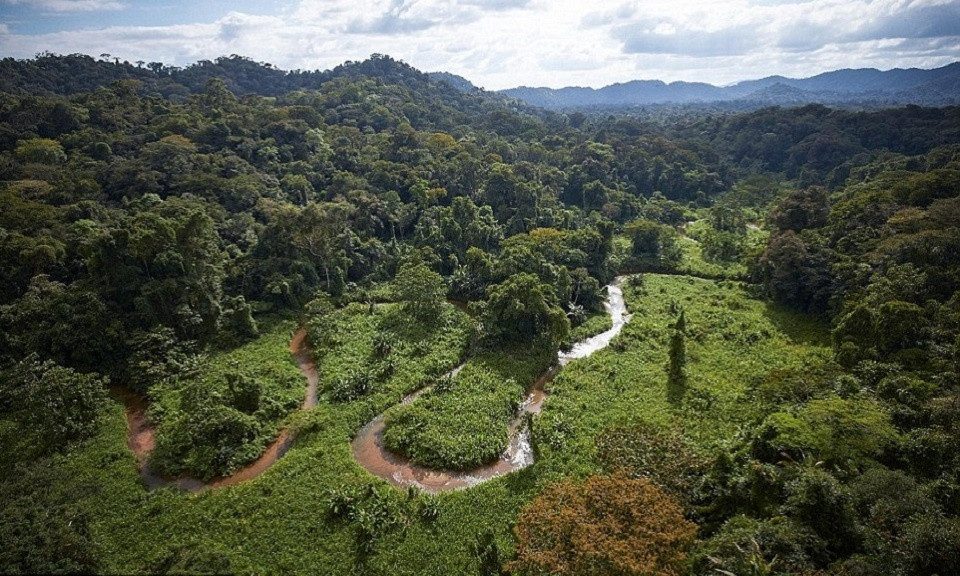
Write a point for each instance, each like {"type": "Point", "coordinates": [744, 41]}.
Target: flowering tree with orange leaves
{"type": "Point", "coordinates": [606, 525]}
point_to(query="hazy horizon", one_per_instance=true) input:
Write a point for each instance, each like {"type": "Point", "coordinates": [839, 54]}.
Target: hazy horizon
{"type": "Point", "coordinates": [500, 44]}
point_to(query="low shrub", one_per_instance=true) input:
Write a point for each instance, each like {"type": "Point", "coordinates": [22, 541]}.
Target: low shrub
{"type": "Point", "coordinates": [464, 424]}
{"type": "Point", "coordinates": [351, 386]}
{"type": "Point", "coordinates": [606, 525]}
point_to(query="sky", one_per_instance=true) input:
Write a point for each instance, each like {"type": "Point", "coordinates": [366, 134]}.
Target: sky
{"type": "Point", "coordinates": [505, 43]}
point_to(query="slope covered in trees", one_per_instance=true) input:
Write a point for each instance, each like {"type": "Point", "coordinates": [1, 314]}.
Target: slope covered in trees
{"type": "Point", "coordinates": [789, 383]}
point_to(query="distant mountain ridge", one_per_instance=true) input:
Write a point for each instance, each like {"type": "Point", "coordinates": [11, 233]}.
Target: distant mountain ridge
{"type": "Point", "coordinates": [936, 87]}
{"type": "Point", "coordinates": [70, 74]}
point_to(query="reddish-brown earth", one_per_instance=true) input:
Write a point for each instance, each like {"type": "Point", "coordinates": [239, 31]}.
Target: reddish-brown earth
{"type": "Point", "coordinates": [141, 435]}
{"type": "Point", "coordinates": [370, 452]}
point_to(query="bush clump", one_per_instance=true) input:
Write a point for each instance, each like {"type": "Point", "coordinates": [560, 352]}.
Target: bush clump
{"type": "Point", "coordinates": [463, 422]}
{"type": "Point", "coordinates": [606, 525]}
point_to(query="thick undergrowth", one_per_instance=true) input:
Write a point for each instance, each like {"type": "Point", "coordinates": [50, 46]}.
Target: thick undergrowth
{"type": "Point", "coordinates": [222, 414]}
{"type": "Point", "coordinates": [463, 422]}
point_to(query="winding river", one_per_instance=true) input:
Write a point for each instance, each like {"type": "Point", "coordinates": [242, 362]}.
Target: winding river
{"type": "Point", "coordinates": [369, 451]}
{"type": "Point", "coordinates": [367, 445]}
{"type": "Point", "coordinates": [141, 436]}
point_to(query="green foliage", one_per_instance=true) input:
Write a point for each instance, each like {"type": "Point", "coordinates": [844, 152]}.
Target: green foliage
{"type": "Point", "coordinates": [452, 231]}
{"type": "Point", "coordinates": [653, 245]}
{"type": "Point", "coordinates": [429, 509]}
{"type": "Point", "coordinates": [801, 209]}
{"type": "Point", "coordinates": [522, 309]}
{"type": "Point", "coordinates": [749, 547]}
{"type": "Point", "coordinates": [237, 320]}
{"type": "Point", "coordinates": [795, 271]}
{"type": "Point", "coordinates": [221, 415]}
{"type": "Point", "coordinates": [206, 436]}
{"type": "Point", "coordinates": [421, 290]}
{"type": "Point", "coordinates": [731, 338]}
{"type": "Point", "coordinates": [591, 325]}
{"type": "Point", "coordinates": [44, 524]}
{"type": "Point", "coordinates": [931, 545]}
{"type": "Point", "coordinates": [245, 392]}
{"type": "Point", "coordinates": [799, 385]}
{"type": "Point", "coordinates": [149, 211]}
{"type": "Point", "coordinates": [67, 324]}
{"type": "Point", "coordinates": [158, 355]}
{"type": "Point", "coordinates": [354, 362]}
{"type": "Point", "coordinates": [192, 559]}
{"type": "Point", "coordinates": [843, 432]}
{"type": "Point", "coordinates": [162, 265]}
{"type": "Point", "coordinates": [351, 386]}
{"type": "Point", "coordinates": [643, 450]}
{"type": "Point", "coordinates": [677, 360]}
{"type": "Point", "coordinates": [854, 337]}
{"type": "Point", "coordinates": [722, 246]}
{"type": "Point", "coordinates": [373, 513]}
{"type": "Point", "coordinates": [817, 500]}
{"type": "Point", "coordinates": [464, 424]}
{"type": "Point", "coordinates": [900, 325]}
{"type": "Point", "coordinates": [487, 553]}
{"type": "Point", "coordinates": [53, 405]}
{"type": "Point", "coordinates": [41, 151]}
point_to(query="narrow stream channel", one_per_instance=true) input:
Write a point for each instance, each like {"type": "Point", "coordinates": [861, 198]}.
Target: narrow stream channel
{"type": "Point", "coordinates": [141, 436]}
{"type": "Point", "coordinates": [369, 451]}
{"type": "Point", "coordinates": [368, 448]}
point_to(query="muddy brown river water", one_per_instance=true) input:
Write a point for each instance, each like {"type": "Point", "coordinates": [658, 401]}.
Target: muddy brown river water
{"type": "Point", "coordinates": [367, 445]}
{"type": "Point", "coordinates": [369, 451]}
{"type": "Point", "coordinates": [141, 435]}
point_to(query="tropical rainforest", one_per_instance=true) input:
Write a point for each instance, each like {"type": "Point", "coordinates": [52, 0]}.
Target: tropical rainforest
{"type": "Point", "coordinates": [366, 321]}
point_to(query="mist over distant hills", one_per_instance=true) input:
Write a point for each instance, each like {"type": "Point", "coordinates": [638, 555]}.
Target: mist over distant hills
{"type": "Point", "coordinates": [937, 87]}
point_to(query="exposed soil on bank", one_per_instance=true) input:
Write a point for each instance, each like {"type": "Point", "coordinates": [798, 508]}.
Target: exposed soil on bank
{"type": "Point", "coordinates": [141, 436]}
{"type": "Point", "coordinates": [368, 448]}
{"type": "Point", "coordinates": [370, 452]}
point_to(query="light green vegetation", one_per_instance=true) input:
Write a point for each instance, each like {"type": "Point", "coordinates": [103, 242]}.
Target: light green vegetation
{"type": "Point", "coordinates": [595, 323]}
{"type": "Point", "coordinates": [380, 356]}
{"type": "Point", "coordinates": [731, 340]}
{"type": "Point", "coordinates": [223, 414]}
{"type": "Point", "coordinates": [463, 422]}
{"type": "Point", "coordinates": [279, 523]}
{"type": "Point", "coordinates": [694, 263]}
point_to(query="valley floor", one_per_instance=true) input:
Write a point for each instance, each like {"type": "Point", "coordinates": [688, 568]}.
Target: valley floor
{"type": "Point", "coordinates": [280, 522]}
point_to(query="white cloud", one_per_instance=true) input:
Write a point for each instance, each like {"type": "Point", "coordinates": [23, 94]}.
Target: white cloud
{"type": "Point", "coordinates": [503, 43]}
{"type": "Point", "coordinates": [70, 5]}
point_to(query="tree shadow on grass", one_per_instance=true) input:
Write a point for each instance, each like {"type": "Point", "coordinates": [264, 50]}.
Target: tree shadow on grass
{"type": "Point", "coordinates": [800, 328]}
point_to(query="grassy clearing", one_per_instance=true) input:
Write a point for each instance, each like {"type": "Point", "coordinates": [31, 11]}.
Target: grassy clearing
{"type": "Point", "coordinates": [385, 350]}
{"type": "Point", "coordinates": [279, 522]}
{"type": "Point", "coordinates": [693, 263]}
{"type": "Point", "coordinates": [732, 340]}
{"type": "Point", "coordinates": [463, 423]}
{"type": "Point", "coordinates": [207, 426]}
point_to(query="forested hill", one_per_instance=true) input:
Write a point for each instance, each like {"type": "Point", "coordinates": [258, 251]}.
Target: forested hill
{"type": "Point", "coordinates": [70, 74]}
{"type": "Point", "coordinates": [424, 101]}
{"type": "Point", "coordinates": [56, 74]}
